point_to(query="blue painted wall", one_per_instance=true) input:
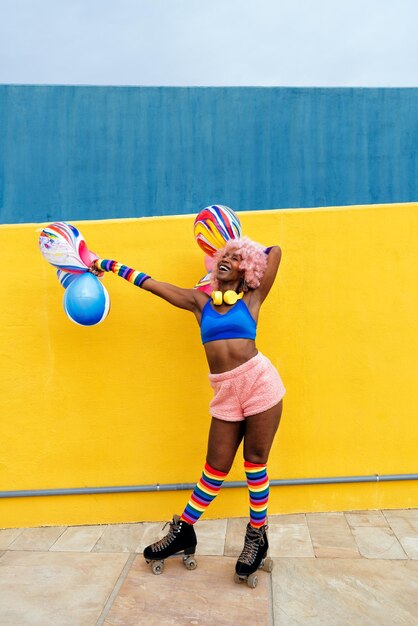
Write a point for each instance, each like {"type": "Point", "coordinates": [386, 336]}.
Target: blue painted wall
{"type": "Point", "coordinates": [70, 153]}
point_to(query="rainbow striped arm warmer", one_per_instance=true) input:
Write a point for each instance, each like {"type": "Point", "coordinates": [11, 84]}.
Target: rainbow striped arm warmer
{"type": "Point", "coordinates": [129, 274]}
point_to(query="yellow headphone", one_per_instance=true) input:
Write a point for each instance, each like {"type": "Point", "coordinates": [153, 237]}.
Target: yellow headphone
{"type": "Point", "coordinates": [229, 297]}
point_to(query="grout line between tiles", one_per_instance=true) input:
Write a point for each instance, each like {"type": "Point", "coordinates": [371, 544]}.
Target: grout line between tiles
{"type": "Point", "coordinates": [400, 544]}
{"type": "Point", "coordinates": [226, 533]}
{"type": "Point", "coordinates": [59, 536]}
{"type": "Point", "coordinates": [351, 529]}
{"type": "Point", "coordinates": [385, 516]}
{"type": "Point", "coordinates": [106, 526]}
{"type": "Point", "coordinates": [122, 576]}
{"type": "Point", "coordinates": [271, 598]}
{"type": "Point", "coordinates": [393, 530]}
{"type": "Point", "coordinates": [15, 539]}
{"type": "Point", "coordinates": [389, 526]}
{"type": "Point", "coordinates": [310, 536]}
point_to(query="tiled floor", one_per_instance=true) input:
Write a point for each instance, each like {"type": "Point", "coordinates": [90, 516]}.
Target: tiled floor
{"type": "Point", "coordinates": [336, 569]}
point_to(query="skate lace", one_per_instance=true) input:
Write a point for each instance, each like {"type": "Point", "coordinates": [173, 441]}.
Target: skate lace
{"type": "Point", "coordinates": [169, 537]}
{"type": "Point", "coordinates": [253, 540]}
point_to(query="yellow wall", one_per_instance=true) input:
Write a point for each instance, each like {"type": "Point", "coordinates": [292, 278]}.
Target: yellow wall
{"type": "Point", "coordinates": [126, 402]}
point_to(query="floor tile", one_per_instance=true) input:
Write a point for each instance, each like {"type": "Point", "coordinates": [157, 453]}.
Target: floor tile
{"type": "Point", "coordinates": [345, 592]}
{"type": "Point", "coordinates": [134, 537]}
{"type": "Point", "coordinates": [235, 533]}
{"type": "Point", "coordinates": [290, 540]}
{"type": "Point", "coordinates": [37, 538]}
{"type": "Point", "coordinates": [288, 536]}
{"type": "Point", "coordinates": [403, 523]}
{"type": "Point", "coordinates": [203, 597]}
{"type": "Point", "coordinates": [7, 537]}
{"type": "Point", "coordinates": [405, 528]}
{"type": "Point", "coordinates": [68, 586]}
{"type": "Point", "coordinates": [291, 518]}
{"type": "Point", "coordinates": [120, 538]}
{"type": "Point", "coordinates": [378, 543]}
{"type": "Point", "coordinates": [56, 589]}
{"type": "Point", "coordinates": [366, 518]}
{"type": "Point", "coordinates": [410, 513]}
{"type": "Point", "coordinates": [331, 536]}
{"type": "Point", "coordinates": [211, 536]}
{"type": "Point", "coordinates": [151, 531]}
{"type": "Point", "coordinates": [78, 539]}
{"type": "Point", "coordinates": [410, 546]}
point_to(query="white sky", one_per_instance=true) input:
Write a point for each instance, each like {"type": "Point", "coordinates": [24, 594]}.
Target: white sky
{"type": "Point", "coordinates": [364, 43]}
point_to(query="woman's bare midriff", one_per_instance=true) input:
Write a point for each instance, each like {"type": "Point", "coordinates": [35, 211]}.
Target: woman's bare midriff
{"type": "Point", "coordinates": [226, 354]}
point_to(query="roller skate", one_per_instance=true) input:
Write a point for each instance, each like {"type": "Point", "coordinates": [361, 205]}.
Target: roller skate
{"type": "Point", "coordinates": [253, 556]}
{"type": "Point", "coordinates": [180, 539]}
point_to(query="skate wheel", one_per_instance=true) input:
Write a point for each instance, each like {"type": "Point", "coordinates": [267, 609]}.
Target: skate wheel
{"type": "Point", "coordinates": [252, 581]}
{"type": "Point", "coordinates": [238, 579]}
{"type": "Point", "coordinates": [190, 563]}
{"type": "Point", "coordinates": [268, 564]}
{"type": "Point", "coordinates": [157, 567]}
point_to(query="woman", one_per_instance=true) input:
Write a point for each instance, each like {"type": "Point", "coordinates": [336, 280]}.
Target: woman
{"type": "Point", "coordinates": [248, 391]}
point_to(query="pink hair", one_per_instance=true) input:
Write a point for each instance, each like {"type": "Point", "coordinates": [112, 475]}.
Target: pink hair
{"type": "Point", "coordinates": [254, 260]}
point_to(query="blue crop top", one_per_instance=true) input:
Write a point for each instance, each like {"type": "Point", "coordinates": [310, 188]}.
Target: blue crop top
{"type": "Point", "coordinates": [237, 323]}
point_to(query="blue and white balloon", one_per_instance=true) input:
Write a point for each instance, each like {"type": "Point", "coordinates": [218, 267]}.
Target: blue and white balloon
{"type": "Point", "coordinates": [86, 300]}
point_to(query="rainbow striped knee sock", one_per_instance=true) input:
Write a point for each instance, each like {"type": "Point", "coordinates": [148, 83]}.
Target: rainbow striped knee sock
{"type": "Point", "coordinates": [205, 491]}
{"type": "Point", "coordinates": [258, 487]}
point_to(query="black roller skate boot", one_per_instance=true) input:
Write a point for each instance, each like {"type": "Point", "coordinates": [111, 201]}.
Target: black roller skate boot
{"type": "Point", "coordinates": [180, 539]}
{"type": "Point", "coordinates": [253, 556]}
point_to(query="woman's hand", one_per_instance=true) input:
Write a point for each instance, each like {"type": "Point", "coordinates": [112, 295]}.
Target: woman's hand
{"type": "Point", "coordinates": [94, 269]}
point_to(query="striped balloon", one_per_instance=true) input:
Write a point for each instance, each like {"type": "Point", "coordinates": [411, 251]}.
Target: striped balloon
{"type": "Point", "coordinates": [62, 245]}
{"type": "Point", "coordinates": [204, 284]}
{"type": "Point", "coordinates": [214, 226]}
{"type": "Point", "coordinates": [66, 278]}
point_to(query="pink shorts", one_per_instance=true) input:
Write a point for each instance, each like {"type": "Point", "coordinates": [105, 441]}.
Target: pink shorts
{"type": "Point", "coordinates": [248, 389]}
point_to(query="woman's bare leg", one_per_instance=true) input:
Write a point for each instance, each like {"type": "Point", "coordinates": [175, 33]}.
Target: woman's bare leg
{"type": "Point", "coordinates": [224, 440]}
{"type": "Point", "coordinates": [259, 433]}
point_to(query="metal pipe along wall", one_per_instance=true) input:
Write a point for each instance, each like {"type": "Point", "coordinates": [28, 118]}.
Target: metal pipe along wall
{"type": "Point", "coordinates": [290, 482]}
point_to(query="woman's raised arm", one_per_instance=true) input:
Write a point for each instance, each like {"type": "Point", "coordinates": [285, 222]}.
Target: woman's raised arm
{"type": "Point", "coordinates": [273, 261]}
{"type": "Point", "coordinates": [188, 299]}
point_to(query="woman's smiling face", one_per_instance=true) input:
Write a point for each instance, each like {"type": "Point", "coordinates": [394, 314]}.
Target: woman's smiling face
{"type": "Point", "coordinates": [228, 268]}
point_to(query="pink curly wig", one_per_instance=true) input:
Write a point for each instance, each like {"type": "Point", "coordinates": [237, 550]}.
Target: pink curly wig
{"type": "Point", "coordinates": [254, 260]}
